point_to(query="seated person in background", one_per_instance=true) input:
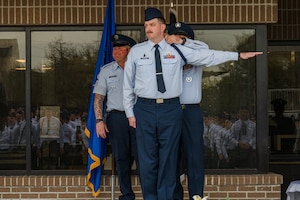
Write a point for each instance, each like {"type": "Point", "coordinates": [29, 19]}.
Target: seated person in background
{"type": "Point", "coordinates": [49, 124]}
{"type": "Point", "coordinates": [225, 143]}
{"type": "Point", "coordinates": [20, 139]}
{"type": "Point", "coordinates": [35, 124]}
{"type": "Point", "coordinates": [13, 129]}
{"type": "Point", "coordinates": [50, 136]}
{"type": "Point", "coordinates": [212, 126]}
{"type": "Point", "coordinates": [68, 139]}
{"type": "Point", "coordinates": [244, 134]}
{"type": "Point", "coordinates": [74, 121]}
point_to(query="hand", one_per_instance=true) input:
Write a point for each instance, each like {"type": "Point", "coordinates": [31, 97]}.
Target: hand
{"type": "Point", "coordinates": [101, 129]}
{"type": "Point", "coordinates": [132, 122]}
{"type": "Point", "coordinates": [246, 55]}
{"type": "Point", "coordinates": [173, 39]}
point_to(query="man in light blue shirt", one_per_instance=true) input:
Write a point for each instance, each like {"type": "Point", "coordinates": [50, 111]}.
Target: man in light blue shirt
{"type": "Point", "coordinates": [109, 85]}
{"type": "Point", "coordinates": [244, 133]}
{"type": "Point", "coordinates": [157, 115]}
{"type": "Point", "coordinates": [192, 127]}
{"type": "Point", "coordinates": [4, 135]}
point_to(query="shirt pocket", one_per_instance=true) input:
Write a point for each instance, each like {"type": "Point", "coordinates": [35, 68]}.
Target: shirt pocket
{"type": "Point", "coordinates": [170, 65]}
{"type": "Point", "coordinates": [113, 82]}
{"type": "Point", "coordinates": [144, 67]}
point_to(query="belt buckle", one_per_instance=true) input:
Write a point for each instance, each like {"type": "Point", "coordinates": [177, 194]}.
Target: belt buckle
{"type": "Point", "coordinates": [183, 106]}
{"type": "Point", "coordinates": [159, 101]}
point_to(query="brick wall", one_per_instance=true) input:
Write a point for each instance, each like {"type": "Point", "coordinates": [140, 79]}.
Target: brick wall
{"type": "Point", "coordinates": [217, 187]}
{"type": "Point", "coordinates": [84, 12]}
{"type": "Point", "coordinates": [288, 25]}
{"type": "Point", "coordinates": [282, 16]}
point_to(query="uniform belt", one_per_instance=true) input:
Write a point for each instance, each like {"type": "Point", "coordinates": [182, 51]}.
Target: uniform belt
{"type": "Point", "coordinates": [158, 101]}
{"type": "Point", "coordinates": [117, 112]}
{"type": "Point", "coordinates": [184, 106]}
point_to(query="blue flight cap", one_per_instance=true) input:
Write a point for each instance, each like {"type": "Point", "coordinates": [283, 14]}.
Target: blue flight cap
{"type": "Point", "coordinates": [180, 28]}
{"type": "Point", "coordinates": [122, 40]}
{"type": "Point", "coordinates": [152, 13]}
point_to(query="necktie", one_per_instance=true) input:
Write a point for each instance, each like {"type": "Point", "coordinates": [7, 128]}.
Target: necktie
{"type": "Point", "coordinates": [159, 76]}
{"type": "Point", "coordinates": [21, 135]}
{"type": "Point", "coordinates": [243, 130]}
{"type": "Point", "coordinates": [48, 125]}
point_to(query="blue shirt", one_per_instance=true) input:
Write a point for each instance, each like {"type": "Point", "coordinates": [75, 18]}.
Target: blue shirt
{"type": "Point", "coordinates": [69, 136]}
{"type": "Point", "coordinates": [4, 138]}
{"type": "Point", "coordinates": [192, 85]}
{"type": "Point", "coordinates": [250, 135]}
{"type": "Point", "coordinates": [140, 71]}
{"type": "Point", "coordinates": [192, 77]}
{"type": "Point", "coordinates": [110, 83]}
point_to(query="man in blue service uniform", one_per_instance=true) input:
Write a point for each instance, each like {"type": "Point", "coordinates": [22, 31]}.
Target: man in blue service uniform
{"type": "Point", "coordinates": [109, 85]}
{"type": "Point", "coordinates": [192, 127]}
{"type": "Point", "coordinates": [153, 74]}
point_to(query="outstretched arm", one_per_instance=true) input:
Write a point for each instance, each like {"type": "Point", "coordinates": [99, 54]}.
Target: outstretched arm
{"type": "Point", "coordinates": [178, 39]}
{"type": "Point", "coordinates": [246, 55]}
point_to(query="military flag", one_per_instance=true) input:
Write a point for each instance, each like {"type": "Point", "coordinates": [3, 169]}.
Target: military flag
{"type": "Point", "coordinates": [98, 146]}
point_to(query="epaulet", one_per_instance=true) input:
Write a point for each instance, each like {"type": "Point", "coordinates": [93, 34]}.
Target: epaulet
{"type": "Point", "coordinates": [139, 44]}
{"type": "Point", "coordinates": [107, 65]}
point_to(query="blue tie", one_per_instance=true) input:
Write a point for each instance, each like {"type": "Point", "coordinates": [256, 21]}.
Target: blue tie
{"type": "Point", "coordinates": [159, 76]}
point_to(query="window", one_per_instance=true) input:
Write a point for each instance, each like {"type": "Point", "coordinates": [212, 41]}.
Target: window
{"type": "Point", "coordinates": [50, 71]}
{"type": "Point", "coordinates": [63, 64]}
{"type": "Point", "coordinates": [284, 99]}
{"type": "Point", "coordinates": [229, 102]}
{"type": "Point", "coordinates": [283, 110]}
{"type": "Point", "coordinates": [12, 92]}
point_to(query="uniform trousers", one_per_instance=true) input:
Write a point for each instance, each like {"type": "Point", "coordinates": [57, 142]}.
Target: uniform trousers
{"type": "Point", "coordinates": [193, 149]}
{"type": "Point", "coordinates": [123, 141]}
{"type": "Point", "coordinates": [158, 132]}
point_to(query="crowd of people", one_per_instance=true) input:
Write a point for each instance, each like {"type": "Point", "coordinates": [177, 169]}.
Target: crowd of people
{"type": "Point", "coordinates": [13, 130]}
{"type": "Point", "coordinates": [60, 132]}
{"type": "Point", "coordinates": [230, 140]}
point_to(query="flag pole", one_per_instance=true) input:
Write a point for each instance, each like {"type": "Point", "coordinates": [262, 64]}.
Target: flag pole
{"type": "Point", "coordinates": [113, 172]}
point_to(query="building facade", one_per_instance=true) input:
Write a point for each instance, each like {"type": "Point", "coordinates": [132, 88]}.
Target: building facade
{"type": "Point", "coordinates": [48, 50]}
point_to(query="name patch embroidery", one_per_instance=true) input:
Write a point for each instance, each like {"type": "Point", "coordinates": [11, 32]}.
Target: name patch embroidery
{"type": "Point", "coordinates": [144, 57]}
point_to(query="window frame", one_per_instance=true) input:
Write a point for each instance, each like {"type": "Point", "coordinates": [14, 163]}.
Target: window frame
{"type": "Point", "coordinates": [262, 151]}
{"type": "Point", "coordinates": [261, 93]}
{"type": "Point", "coordinates": [287, 157]}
